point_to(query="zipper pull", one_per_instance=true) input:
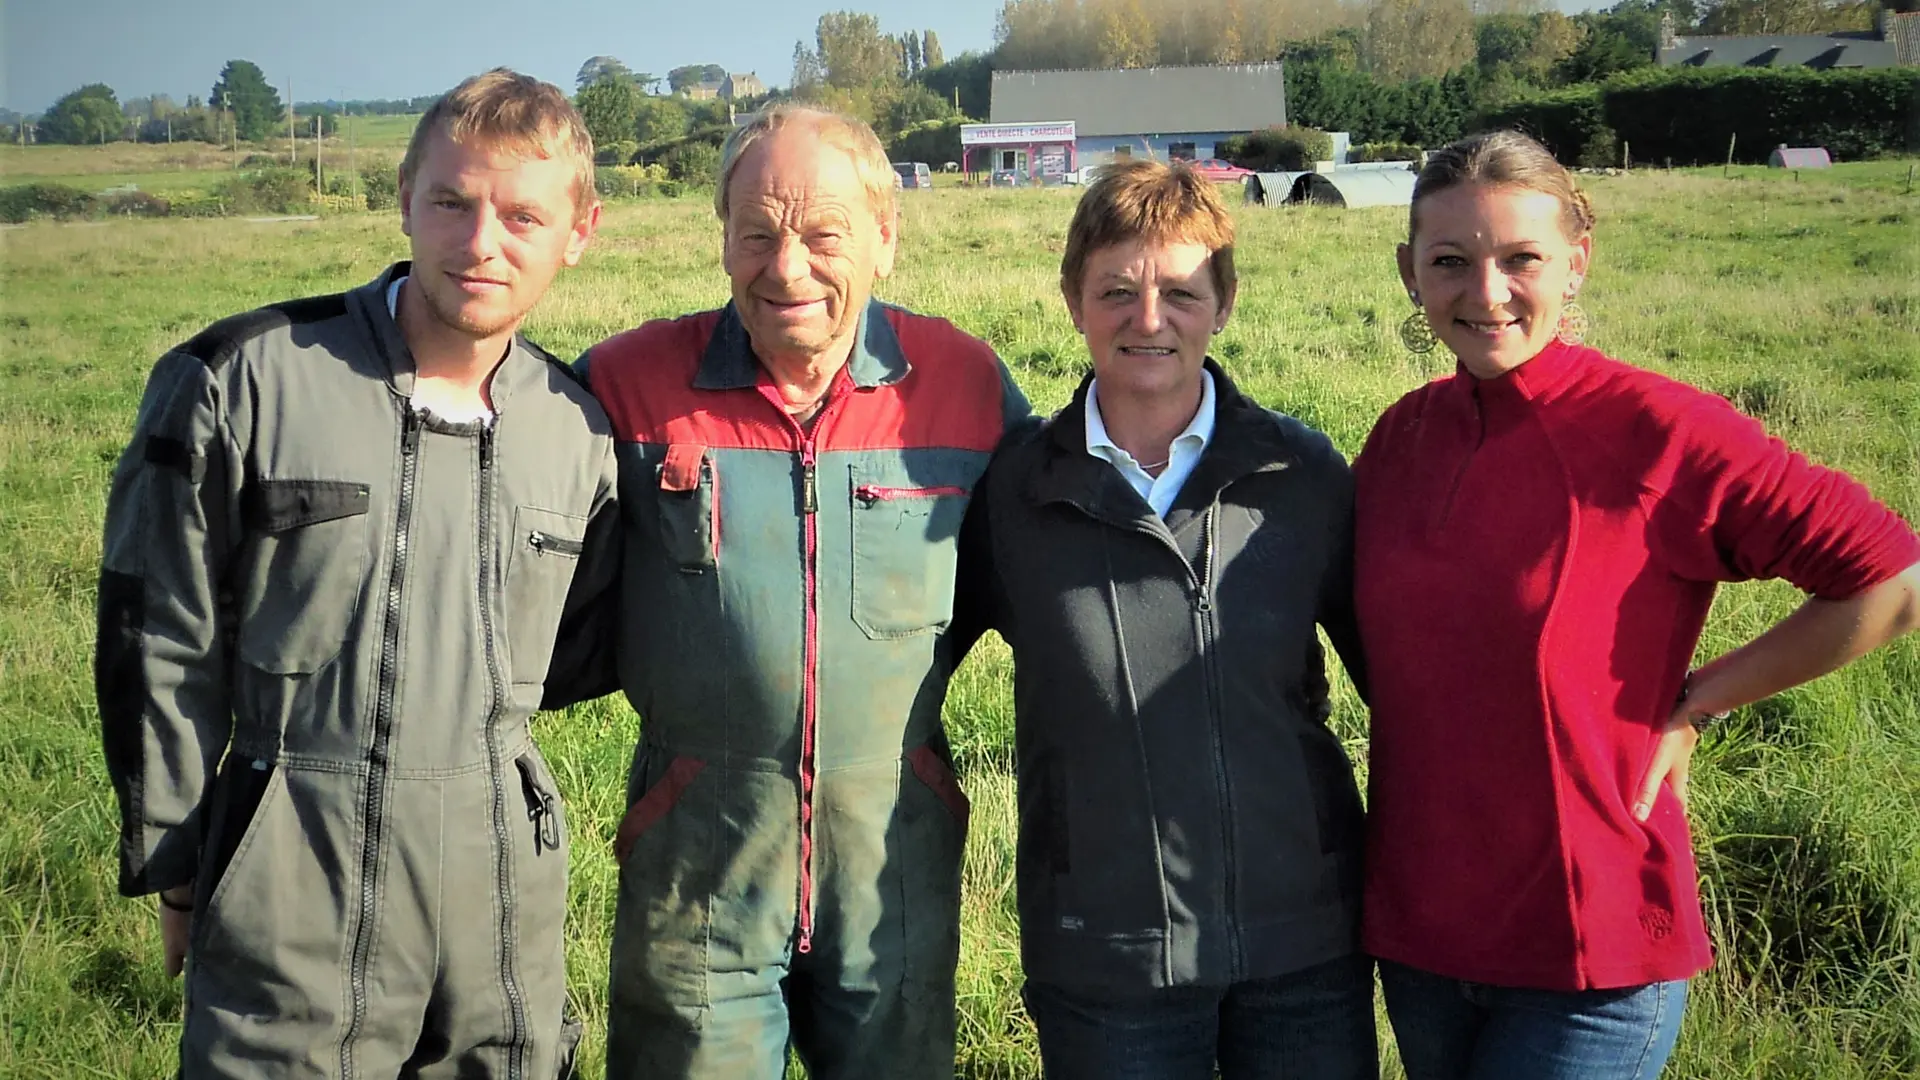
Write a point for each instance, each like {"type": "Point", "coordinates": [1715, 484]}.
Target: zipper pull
{"type": "Point", "coordinates": [409, 431]}
{"type": "Point", "coordinates": [486, 448]}
{"type": "Point", "coordinates": [809, 488]}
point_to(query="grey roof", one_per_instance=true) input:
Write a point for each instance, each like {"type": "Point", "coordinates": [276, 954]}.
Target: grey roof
{"type": "Point", "coordinates": [1903, 32]}
{"type": "Point", "coordinates": [1844, 49]}
{"type": "Point", "coordinates": [1146, 101]}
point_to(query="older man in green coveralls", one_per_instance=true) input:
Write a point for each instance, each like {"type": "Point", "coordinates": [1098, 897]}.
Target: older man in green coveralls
{"type": "Point", "coordinates": [793, 472]}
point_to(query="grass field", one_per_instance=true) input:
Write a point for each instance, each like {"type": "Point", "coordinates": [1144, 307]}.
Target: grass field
{"type": "Point", "coordinates": [1800, 301]}
{"type": "Point", "coordinates": [196, 166]}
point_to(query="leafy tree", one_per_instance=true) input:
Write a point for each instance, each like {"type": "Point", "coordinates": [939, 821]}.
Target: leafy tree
{"type": "Point", "coordinates": [90, 114]}
{"type": "Point", "coordinates": [611, 109]}
{"type": "Point", "coordinates": [600, 67]}
{"type": "Point", "coordinates": [910, 54]}
{"type": "Point", "coordinates": [690, 75]}
{"type": "Point", "coordinates": [931, 55]}
{"type": "Point", "coordinates": [659, 119]}
{"type": "Point", "coordinates": [256, 107]}
{"type": "Point", "coordinates": [914, 104]}
{"type": "Point", "coordinates": [1785, 16]}
{"type": "Point", "coordinates": [853, 52]}
{"type": "Point", "coordinates": [1410, 39]}
{"type": "Point", "coordinates": [807, 76]}
{"type": "Point", "coordinates": [968, 76]}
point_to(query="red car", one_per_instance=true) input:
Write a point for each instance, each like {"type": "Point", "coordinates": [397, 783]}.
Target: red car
{"type": "Point", "coordinates": [1215, 169]}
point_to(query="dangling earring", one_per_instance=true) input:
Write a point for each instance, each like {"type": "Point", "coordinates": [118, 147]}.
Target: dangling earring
{"type": "Point", "coordinates": [1573, 324]}
{"type": "Point", "coordinates": [1416, 333]}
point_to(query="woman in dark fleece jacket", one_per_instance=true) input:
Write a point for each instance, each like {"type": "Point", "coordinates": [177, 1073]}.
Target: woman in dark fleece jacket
{"type": "Point", "coordinates": [1538, 538]}
{"type": "Point", "coordinates": [1158, 556]}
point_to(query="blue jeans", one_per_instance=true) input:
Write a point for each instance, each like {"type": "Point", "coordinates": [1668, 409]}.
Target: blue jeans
{"type": "Point", "coordinates": [1448, 1029]}
{"type": "Point", "coordinates": [1315, 1024]}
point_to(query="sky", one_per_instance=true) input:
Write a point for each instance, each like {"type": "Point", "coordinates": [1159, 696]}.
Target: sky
{"type": "Point", "coordinates": [365, 49]}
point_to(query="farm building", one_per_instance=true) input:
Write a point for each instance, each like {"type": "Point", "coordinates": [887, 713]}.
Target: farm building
{"type": "Point", "coordinates": [1161, 112]}
{"type": "Point", "coordinates": [1019, 153]}
{"type": "Point", "coordinates": [1894, 41]}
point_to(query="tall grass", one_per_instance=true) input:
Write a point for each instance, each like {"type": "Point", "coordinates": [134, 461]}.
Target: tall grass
{"type": "Point", "coordinates": [1800, 301]}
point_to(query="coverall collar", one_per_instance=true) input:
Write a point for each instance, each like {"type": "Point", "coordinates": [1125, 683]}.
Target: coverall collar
{"type": "Point", "coordinates": [730, 364]}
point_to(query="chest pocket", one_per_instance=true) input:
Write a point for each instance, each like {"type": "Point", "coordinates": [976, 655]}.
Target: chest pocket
{"type": "Point", "coordinates": [906, 527]}
{"type": "Point", "coordinates": [545, 551]}
{"type": "Point", "coordinates": [301, 574]}
{"type": "Point", "coordinates": [689, 513]}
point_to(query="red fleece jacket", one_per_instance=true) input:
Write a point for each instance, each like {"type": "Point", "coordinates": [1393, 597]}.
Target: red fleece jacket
{"type": "Point", "coordinates": [1535, 557]}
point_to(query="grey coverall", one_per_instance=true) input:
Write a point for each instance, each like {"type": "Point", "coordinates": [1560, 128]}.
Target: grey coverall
{"type": "Point", "coordinates": [325, 619]}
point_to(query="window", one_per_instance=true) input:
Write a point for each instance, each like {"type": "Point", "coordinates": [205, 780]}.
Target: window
{"type": "Point", "coordinates": [1009, 160]}
{"type": "Point", "coordinates": [1123, 153]}
{"type": "Point", "coordinates": [1181, 151]}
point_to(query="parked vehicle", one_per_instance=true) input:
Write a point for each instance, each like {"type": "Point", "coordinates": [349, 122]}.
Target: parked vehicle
{"type": "Point", "coordinates": [1216, 169]}
{"type": "Point", "coordinates": [913, 174]}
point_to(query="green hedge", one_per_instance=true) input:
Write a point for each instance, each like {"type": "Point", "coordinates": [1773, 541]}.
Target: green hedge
{"type": "Point", "coordinates": [1686, 115]}
{"type": "Point", "coordinates": [1572, 123]}
{"type": "Point", "coordinates": [1384, 151]}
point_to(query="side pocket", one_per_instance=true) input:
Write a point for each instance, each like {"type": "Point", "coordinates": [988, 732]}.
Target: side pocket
{"type": "Point", "coordinates": [654, 805]}
{"type": "Point", "coordinates": [242, 789]}
{"type": "Point", "coordinates": [1336, 799]}
{"type": "Point", "coordinates": [689, 508]}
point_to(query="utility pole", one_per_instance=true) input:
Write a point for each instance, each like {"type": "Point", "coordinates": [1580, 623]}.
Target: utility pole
{"type": "Point", "coordinates": [293, 140]}
{"type": "Point", "coordinates": [233, 129]}
{"type": "Point", "coordinates": [353, 174]}
{"type": "Point", "coordinates": [319, 175]}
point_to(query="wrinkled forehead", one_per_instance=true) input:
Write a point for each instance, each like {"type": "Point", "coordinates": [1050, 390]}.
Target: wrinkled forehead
{"type": "Point", "coordinates": [793, 173]}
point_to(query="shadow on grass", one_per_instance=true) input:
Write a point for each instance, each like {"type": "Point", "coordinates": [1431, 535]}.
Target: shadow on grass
{"type": "Point", "coordinates": [136, 989]}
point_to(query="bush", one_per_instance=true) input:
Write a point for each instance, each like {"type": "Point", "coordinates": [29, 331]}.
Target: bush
{"type": "Point", "coordinates": [628, 181]}
{"type": "Point", "coordinates": [671, 189]}
{"type": "Point", "coordinates": [615, 152]}
{"type": "Point", "coordinates": [1570, 123]}
{"type": "Point", "coordinates": [933, 141]}
{"type": "Point", "coordinates": [1277, 149]}
{"type": "Point", "coordinates": [380, 186]}
{"type": "Point", "coordinates": [1384, 151]}
{"type": "Point", "coordinates": [339, 204]}
{"type": "Point", "coordinates": [28, 201]}
{"type": "Point", "coordinates": [696, 163]}
{"type": "Point", "coordinates": [134, 204]}
{"type": "Point", "coordinates": [193, 203]}
{"type": "Point", "coordinates": [270, 191]}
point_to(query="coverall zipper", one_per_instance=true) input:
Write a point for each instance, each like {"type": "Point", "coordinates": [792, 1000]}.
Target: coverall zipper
{"type": "Point", "coordinates": [382, 739]}
{"type": "Point", "coordinates": [502, 837]}
{"type": "Point", "coordinates": [810, 681]}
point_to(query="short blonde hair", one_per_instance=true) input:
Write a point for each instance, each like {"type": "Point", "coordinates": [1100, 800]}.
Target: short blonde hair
{"type": "Point", "coordinates": [505, 110]}
{"type": "Point", "coordinates": [1149, 201]}
{"type": "Point", "coordinates": [1503, 159]}
{"type": "Point", "coordinates": [838, 130]}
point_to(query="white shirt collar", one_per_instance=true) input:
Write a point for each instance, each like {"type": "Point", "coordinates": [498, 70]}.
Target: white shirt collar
{"type": "Point", "coordinates": [1183, 453]}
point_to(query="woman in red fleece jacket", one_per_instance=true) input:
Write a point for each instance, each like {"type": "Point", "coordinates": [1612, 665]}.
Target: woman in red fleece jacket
{"type": "Point", "coordinates": [1538, 538]}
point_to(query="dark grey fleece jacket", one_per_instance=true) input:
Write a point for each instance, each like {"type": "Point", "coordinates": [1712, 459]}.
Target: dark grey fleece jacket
{"type": "Point", "coordinates": [1186, 817]}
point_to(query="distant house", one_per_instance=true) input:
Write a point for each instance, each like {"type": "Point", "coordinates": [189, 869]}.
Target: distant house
{"type": "Point", "coordinates": [737, 87]}
{"type": "Point", "coordinates": [1894, 41]}
{"type": "Point", "coordinates": [1095, 117]}
{"type": "Point", "coordinates": [703, 91]}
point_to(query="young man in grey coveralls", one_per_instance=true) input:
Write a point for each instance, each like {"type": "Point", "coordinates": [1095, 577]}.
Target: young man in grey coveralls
{"type": "Point", "coordinates": [339, 549]}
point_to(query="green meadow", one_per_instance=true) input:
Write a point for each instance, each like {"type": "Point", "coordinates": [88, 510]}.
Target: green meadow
{"type": "Point", "coordinates": [1799, 300]}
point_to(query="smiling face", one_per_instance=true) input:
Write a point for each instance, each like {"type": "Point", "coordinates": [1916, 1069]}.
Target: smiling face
{"type": "Point", "coordinates": [1492, 266]}
{"type": "Point", "coordinates": [803, 245]}
{"type": "Point", "coordinates": [1147, 310]}
{"type": "Point", "coordinates": [489, 232]}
